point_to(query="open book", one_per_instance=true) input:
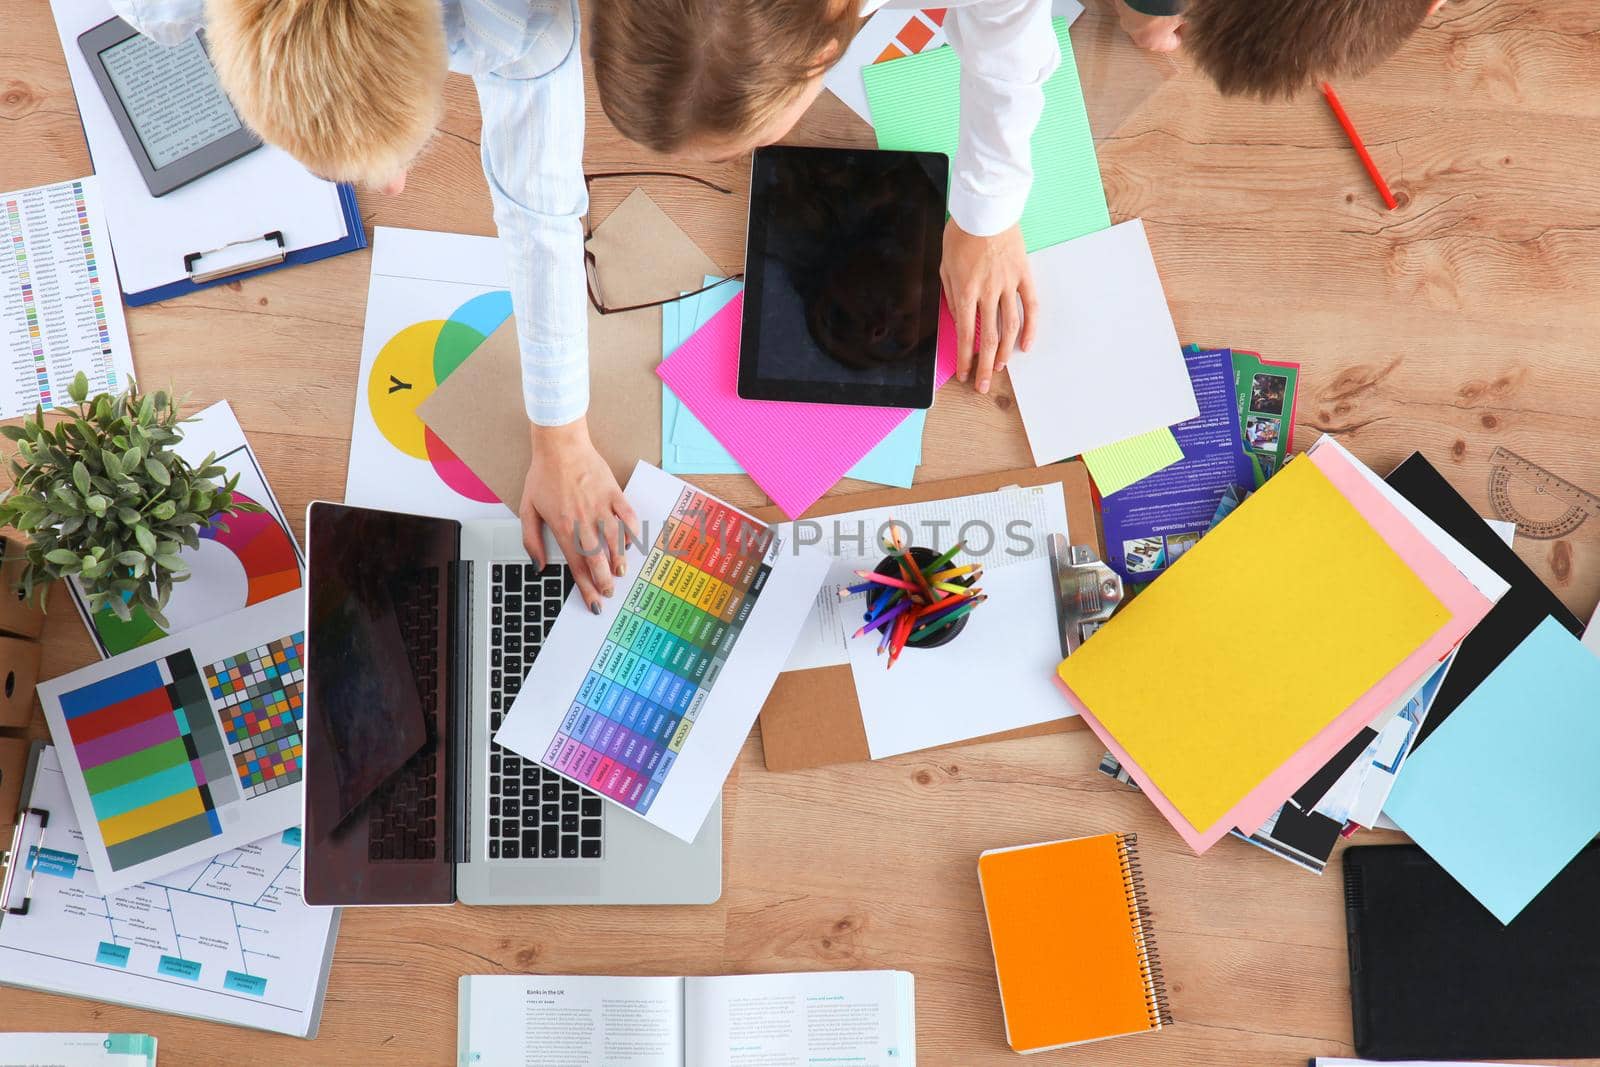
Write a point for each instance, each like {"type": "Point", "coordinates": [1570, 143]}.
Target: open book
{"type": "Point", "coordinates": [863, 1018]}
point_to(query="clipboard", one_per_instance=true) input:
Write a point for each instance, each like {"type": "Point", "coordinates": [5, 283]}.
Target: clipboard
{"type": "Point", "coordinates": [812, 717]}
{"type": "Point", "coordinates": [29, 894]}
{"type": "Point", "coordinates": [249, 256]}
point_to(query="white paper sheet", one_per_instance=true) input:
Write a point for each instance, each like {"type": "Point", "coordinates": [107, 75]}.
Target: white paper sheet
{"type": "Point", "coordinates": [256, 194]}
{"type": "Point", "coordinates": [684, 684]}
{"type": "Point", "coordinates": [163, 808]}
{"type": "Point", "coordinates": [255, 559]}
{"type": "Point", "coordinates": [998, 674]}
{"type": "Point", "coordinates": [768, 1020]}
{"type": "Point", "coordinates": [78, 1050]}
{"type": "Point", "coordinates": [1106, 364]}
{"type": "Point", "coordinates": [420, 282]}
{"type": "Point", "coordinates": [1000, 528]}
{"type": "Point", "coordinates": [534, 1020]}
{"type": "Point", "coordinates": [227, 938]}
{"type": "Point", "coordinates": [60, 308]}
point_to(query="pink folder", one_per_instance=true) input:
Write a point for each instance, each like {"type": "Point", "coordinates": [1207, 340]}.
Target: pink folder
{"type": "Point", "coordinates": [1467, 608]}
{"type": "Point", "coordinates": [795, 452]}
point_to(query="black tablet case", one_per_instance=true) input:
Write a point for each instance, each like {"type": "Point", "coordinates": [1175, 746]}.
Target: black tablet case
{"type": "Point", "coordinates": [1433, 975]}
{"type": "Point", "coordinates": [1517, 614]}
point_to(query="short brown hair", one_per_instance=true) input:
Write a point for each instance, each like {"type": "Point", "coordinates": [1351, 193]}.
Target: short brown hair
{"type": "Point", "coordinates": [671, 72]}
{"type": "Point", "coordinates": [1275, 48]}
{"type": "Point", "coordinates": [351, 89]}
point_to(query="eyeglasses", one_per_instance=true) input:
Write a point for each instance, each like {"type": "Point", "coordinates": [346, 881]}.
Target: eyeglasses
{"type": "Point", "coordinates": [591, 268]}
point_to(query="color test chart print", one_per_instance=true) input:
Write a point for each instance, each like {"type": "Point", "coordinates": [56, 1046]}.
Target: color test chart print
{"type": "Point", "coordinates": [664, 651]}
{"type": "Point", "coordinates": [259, 694]}
{"type": "Point", "coordinates": [152, 758]}
{"type": "Point", "coordinates": [182, 748]}
{"type": "Point", "coordinates": [60, 308]}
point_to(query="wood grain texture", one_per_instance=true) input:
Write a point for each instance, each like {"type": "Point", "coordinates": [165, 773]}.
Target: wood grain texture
{"type": "Point", "coordinates": [1462, 321]}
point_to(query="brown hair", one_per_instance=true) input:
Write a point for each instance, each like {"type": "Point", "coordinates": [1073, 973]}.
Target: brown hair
{"type": "Point", "coordinates": [350, 88]}
{"type": "Point", "coordinates": [671, 72]}
{"type": "Point", "coordinates": [1272, 48]}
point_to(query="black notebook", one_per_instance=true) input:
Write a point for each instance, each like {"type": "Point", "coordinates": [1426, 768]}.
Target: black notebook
{"type": "Point", "coordinates": [1433, 975]}
{"type": "Point", "coordinates": [1522, 609]}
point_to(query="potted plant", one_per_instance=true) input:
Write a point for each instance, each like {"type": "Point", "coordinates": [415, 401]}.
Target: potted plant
{"type": "Point", "coordinates": [105, 499]}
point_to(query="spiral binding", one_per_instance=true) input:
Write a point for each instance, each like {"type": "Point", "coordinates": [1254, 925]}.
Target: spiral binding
{"type": "Point", "coordinates": [1155, 985]}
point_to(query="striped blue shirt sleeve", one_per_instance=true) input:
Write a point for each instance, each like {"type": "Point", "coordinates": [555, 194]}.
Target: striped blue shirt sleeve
{"type": "Point", "coordinates": [533, 158]}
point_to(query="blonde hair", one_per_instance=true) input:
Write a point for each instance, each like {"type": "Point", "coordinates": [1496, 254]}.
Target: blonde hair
{"type": "Point", "coordinates": [350, 88]}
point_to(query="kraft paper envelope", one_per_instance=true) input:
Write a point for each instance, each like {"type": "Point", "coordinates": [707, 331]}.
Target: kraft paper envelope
{"type": "Point", "coordinates": [1428, 614]}
{"type": "Point", "coordinates": [641, 255]}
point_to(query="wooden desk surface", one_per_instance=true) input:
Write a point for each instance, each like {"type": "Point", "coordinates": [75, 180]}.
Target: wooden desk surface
{"type": "Point", "coordinates": [1463, 321]}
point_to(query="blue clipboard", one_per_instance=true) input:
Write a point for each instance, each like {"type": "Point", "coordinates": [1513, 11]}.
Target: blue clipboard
{"type": "Point", "coordinates": [355, 238]}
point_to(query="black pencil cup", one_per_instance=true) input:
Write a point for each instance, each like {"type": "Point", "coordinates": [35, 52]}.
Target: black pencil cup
{"type": "Point", "coordinates": [890, 568]}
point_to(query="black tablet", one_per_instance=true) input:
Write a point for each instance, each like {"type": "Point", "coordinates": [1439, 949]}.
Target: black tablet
{"type": "Point", "coordinates": [841, 301]}
{"type": "Point", "coordinates": [177, 121]}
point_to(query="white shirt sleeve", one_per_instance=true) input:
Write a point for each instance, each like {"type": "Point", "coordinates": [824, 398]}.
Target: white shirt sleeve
{"type": "Point", "coordinates": [1008, 51]}
{"type": "Point", "coordinates": [163, 21]}
{"type": "Point", "coordinates": [533, 159]}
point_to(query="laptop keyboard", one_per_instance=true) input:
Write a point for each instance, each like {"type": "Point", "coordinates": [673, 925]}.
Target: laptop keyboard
{"type": "Point", "coordinates": [403, 823]}
{"type": "Point", "coordinates": [534, 813]}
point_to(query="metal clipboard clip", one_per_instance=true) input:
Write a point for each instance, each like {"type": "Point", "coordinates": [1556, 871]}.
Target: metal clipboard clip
{"type": "Point", "coordinates": [236, 257]}
{"type": "Point", "coordinates": [21, 857]}
{"type": "Point", "coordinates": [1087, 591]}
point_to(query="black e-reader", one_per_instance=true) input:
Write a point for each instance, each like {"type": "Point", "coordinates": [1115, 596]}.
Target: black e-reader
{"type": "Point", "coordinates": [841, 302]}
{"type": "Point", "coordinates": [167, 102]}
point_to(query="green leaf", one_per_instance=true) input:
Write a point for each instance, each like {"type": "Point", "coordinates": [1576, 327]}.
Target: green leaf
{"type": "Point", "coordinates": [128, 516]}
{"type": "Point", "coordinates": [130, 557]}
{"type": "Point", "coordinates": [62, 556]}
{"type": "Point", "coordinates": [14, 433]}
{"type": "Point", "coordinates": [157, 471]}
{"type": "Point", "coordinates": [97, 503]}
{"type": "Point", "coordinates": [146, 539]}
{"type": "Point", "coordinates": [79, 389]}
{"type": "Point", "coordinates": [112, 464]}
{"type": "Point", "coordinates": [164, 510]}
{"type": "Point", "coordinates": [119, 608]}
{"type": "Point", "coordinates": [173, 563]}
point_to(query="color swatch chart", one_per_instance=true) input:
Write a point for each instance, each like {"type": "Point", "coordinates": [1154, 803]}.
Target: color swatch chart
{"type": "Point", "coordinates": [662, 656]}
{"type": "Point", "coordinates": [153, 759]}
{"type": "Point", "coordinates": [258, 694]}
{"type": "Point", "coordinates": [60, 311]}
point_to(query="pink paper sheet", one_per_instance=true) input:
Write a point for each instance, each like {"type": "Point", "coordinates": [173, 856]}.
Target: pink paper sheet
{"type": "Point", "coordinates": [795, 452]}
{"type": "Point", "coordinates": [1467, 608]}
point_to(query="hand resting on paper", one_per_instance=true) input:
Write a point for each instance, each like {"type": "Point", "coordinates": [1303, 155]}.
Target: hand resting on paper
{"type": "Point", "coordinates": [988, 280]}
{"type": "Point", "coordinates": [571, 489]}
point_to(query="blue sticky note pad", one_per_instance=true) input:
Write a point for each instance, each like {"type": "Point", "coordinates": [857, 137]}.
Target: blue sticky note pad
{"type": "Point", "coordinates": [1467, 796]}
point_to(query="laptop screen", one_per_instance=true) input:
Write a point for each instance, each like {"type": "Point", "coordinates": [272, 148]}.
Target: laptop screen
{"type": "Point", "coordinates": [377, 706]}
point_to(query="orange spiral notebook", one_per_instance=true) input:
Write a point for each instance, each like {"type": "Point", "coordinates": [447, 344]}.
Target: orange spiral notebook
{"type": "Point", "coordinates": [1073, 949]}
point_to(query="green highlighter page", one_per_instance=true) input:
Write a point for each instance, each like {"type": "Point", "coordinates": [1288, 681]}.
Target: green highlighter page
{"type": "Point", "coordinates": [916, 106]}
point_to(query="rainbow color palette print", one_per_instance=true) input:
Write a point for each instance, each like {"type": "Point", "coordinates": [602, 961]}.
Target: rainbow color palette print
{"type": "Point", "coordinates": [649, 702]}
{"type": "Point", "coordinates": [247, 559]}
{"type": "Point", "coordinates": [186, 746]}
{"type": "Point", "coordinates": [432, 300]}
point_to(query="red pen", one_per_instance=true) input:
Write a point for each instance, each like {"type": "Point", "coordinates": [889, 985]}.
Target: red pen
{"type": "Point", "coordinates": [1360, 147]}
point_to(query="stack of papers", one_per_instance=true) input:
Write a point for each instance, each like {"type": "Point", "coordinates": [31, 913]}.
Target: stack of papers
{"type": "Point", "coordinates": [1237, 721]}
{"type": "Point", "coordinates": [794, 451]}
{"type": "Point", "coordinates": [687, 447]}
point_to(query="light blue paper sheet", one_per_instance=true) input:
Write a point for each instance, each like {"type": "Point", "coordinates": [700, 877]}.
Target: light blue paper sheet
{"type": "Point", "coordinates": [1466, 795]}
{"type": "Point", "coordinates": [687, 447]}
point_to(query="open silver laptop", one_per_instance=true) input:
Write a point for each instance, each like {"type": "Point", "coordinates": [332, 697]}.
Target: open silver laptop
{"type": "Point", "coordinates": [419, 632]}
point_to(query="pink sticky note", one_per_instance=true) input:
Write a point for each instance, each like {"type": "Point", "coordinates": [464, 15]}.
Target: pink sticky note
{"type": "Point", "coordinates": [1467, 608]}
{"type": "Point", "coordinates": [795, 452]}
